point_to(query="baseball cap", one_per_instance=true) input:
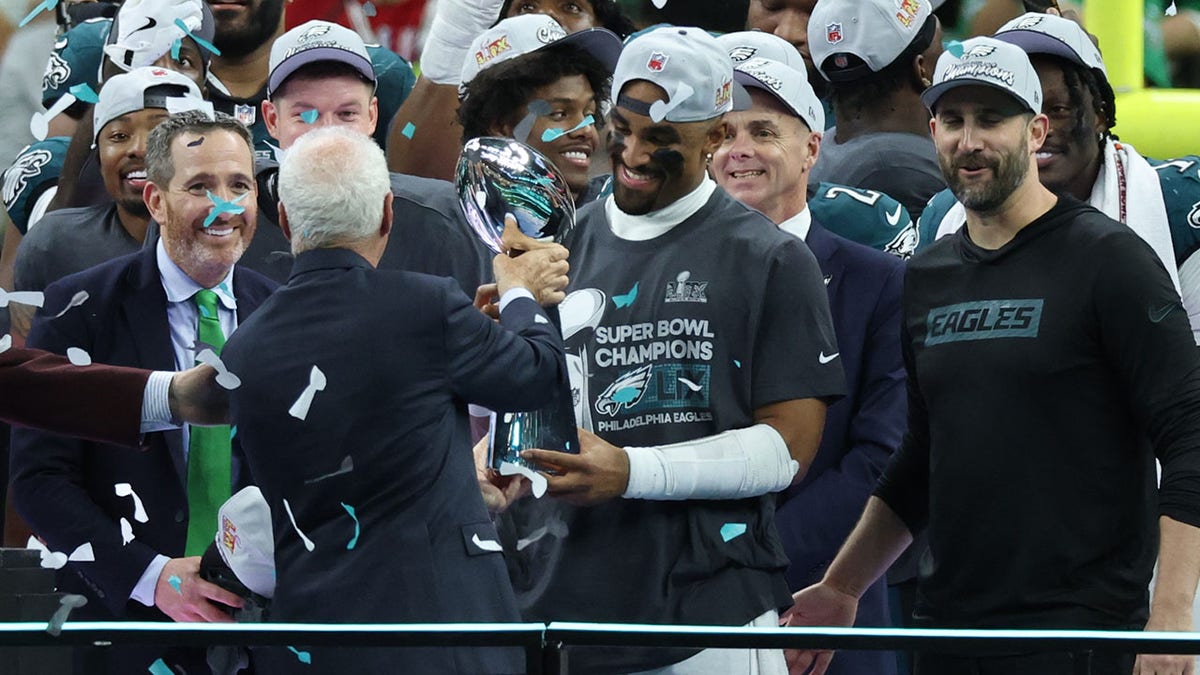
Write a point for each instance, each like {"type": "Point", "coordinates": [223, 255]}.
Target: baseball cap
{"type": "Point", "coordinates": [689, 64]}
{"type": "Point", "coordinates": [246, 540]}
{"type": "Point", "coordinates": [525, 33]}
{"type": "Point", "coordinates": [313, 42]}
{"type": "Point", "coordinates": [73, 61]}
{"type": "Point", "coordinates": [989, 62]}
{"type": "Point", "coordinates": [789, 85]}
{"type": "Point", "coordinates": [744, 45]}
{"type": "Point", "coordinates": [1048, 34]}
{"type": "Point", "coordinates": [140, 88]}
{"type": "Point", "coordinates": [876, 32]}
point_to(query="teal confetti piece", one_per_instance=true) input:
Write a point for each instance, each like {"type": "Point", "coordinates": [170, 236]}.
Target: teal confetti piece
{"type": "Point", "coordinates": [84, 93]}
{"type": "Point", "coordinates": [409, 130]}
{"type": "Point", "coordinates": [44, 6]}
{"type": "Point", "coordinates": [233, 432]}
{"type": "Point", "coordinates": [626, 299]}
{"type": "Point", "coordinates": [731, 531]}
{"type": "Point", "coordinates": [304, 657]}
{"type": "Point", "coordinates": [737, 363]}
{"type": "Point", "coordinates": [310, 116]}
{"type": "Point", "coordinates": [160, 668]}
{"type": "Point", "coordinates": [955, 48]}
{"type": "Point", "coordinates": [175, 47]}
{"type": "Point", "coordinates": [176, 583]}
{"type": "Point", "coordinates": [552, 134]}
{"type": "Point", "coordinates": [199, 40]}
{"type": "Point", "coordinates": [221, 206]}
{"type": "Point", "coordinates": [353, 540]}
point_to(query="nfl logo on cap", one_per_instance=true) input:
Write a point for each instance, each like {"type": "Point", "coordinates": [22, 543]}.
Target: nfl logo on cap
{"type": "Point", "coordinates": [657, 62]}
{"type": "Point", "coordinates": [833, 33]}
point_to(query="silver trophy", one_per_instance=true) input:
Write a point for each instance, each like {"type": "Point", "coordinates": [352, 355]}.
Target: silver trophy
{"type": "Point", "coordinates": [496, 177]}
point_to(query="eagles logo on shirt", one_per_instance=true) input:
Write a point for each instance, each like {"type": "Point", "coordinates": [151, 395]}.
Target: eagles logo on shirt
{"type": "Point", "coordinates": [625, 391]}
{"type": "Point", "coordinates": [58, 71]}
{"type": "Point", "coordinates": [16, 178]}
{"type": "Point", "coordinates": [904, 245]}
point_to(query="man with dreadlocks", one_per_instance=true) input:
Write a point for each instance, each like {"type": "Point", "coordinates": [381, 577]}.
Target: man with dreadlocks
{"type": "Point", "coordinates": [1158, 200]}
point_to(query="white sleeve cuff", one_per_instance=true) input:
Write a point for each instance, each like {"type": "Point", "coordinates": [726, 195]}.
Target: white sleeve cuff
{"type": "Point", "coordinates": [156, 403]}
{"type": "Point", "coordinates": [514, 293]}
{"type": "Point", "coordinates": [143, 592]}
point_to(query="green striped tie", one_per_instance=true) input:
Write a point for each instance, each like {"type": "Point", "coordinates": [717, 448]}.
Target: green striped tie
{"type": "Point", "coordinates": [209, 464]}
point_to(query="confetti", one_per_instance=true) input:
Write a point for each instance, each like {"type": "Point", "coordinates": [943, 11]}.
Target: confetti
{"type": "Point", "coordinates": [176, 583]}
{"type": "Point", "coordinates": [658, 4]}
{"type": "Point", "coordinates": [660, 109]}
{"type": "Point", "coordinates": [310, 116]}
{"type": "Point", "coordinates": [525, 127]}
{"type": "Point", "coordinates": [409, 130]}
{"type": "Point", "coordinates": [369, 8]}
{"type": "Point", "coordinates": [175, 47]}
{"type": "Point", "coordinates": [31, 298]}
{"type": "Point", "coordinates": [730, 531]}
{"type": "Point", "coordinates": [43, 6]}
{"type": "Point", "coordinates": [5, 343]}
{"type": "Point", "coordinates": [304, 657]}
{"type": "Point", "coordinates": [224, 378]}
{"type": "Point", "coordinates": [160, 668]}
{"type": "Point", "coordinates": [955, 48]}
{"type": "Point", "coordinates": [553, 134]}
{"type": "Point", "coordinates": [83, 92]}
{"type": "Point", "coordinates": [308, 544]}
{"type": "Point", "coordinates": [51, 560]}
{"type": "Point", "coordinates": [540, 319]}
{"type": "Point", "coordinates": [66, 603]}
{"type": "Point", "coordinates": [346, 467]}
{"type": "Point", "coordinates": [353, 540]}
{"type": "Point", "coordinates": [316, 382]}
{"type": "Point", "coordinates": [737, 363]}
{"type": "Point", "coordinates": [537, 480]}
{"type": "Point", "coordinates": [221, 206]}
{"type": "Point", "coordinates": [83, 553]}
{"type": "Point", "coordinates": [76, 300]}
{"type": "Point", "coordinates": [126, 531]}
{"type": "Point", "coordinates": [39, 123]}
{"type": "Point", "coordinates": [196, 142]}
{"type": "Point", "coordinates": [126, 490]}
{"type": "Point", "coordinates": [554, 526]}
{"type": "Point", "coordinates": [626, 299]}
{"type": "Point", "coordinates": [78, 356]}
{"type": "Point", "coordinates": [486, 544]}
{"type": "Point", "coordinates": [1171, 11]}
{"type": "Point", "coordinates": [233, 432]}
{"type": "Point", "coordinates": [199, 40]}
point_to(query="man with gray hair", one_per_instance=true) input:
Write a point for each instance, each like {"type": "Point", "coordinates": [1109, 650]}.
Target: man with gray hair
{"type": "Point", "coordinates": [352, 412]}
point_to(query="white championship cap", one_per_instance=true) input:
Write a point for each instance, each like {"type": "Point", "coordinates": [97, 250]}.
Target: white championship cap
{"type": "Point", "coordinates": [875, 31]}
{"type": "Point", "coordinates": [789, 85]}
{"type": "Point", "coordinates": [525, 33]}
{"type": "Point", "coordinates": [1048, 34]}
{"type": "Point", "coordinates": [316, 41]}
{"type": "Point", "coordinates": [140, 88]}
{"type": "Point", "coordinates": [246, 540]}
{"type": "Point", "coordinates": [989, 62]}
{"type": "Point", "coordinates": [744, 45]}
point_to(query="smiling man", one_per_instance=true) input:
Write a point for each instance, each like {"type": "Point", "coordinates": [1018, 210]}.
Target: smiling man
{"type": "Point", "coordinates": [150, 309]}
{"type": "Point", "coordinates": [704, 373]}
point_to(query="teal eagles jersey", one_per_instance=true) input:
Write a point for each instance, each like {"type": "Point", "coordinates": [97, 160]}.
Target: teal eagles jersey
{"type": "Point", "coordinates": [868, 217]}
{"type": "Point", "coordinates": [35, 170]}
{"type": "Point", "coordinates": [75, 60]}
{"type": "Point", "coordinates": [931, 218]}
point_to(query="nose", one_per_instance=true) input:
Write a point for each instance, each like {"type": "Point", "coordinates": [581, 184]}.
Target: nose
{"type": "Point", "coordinates": [635, 153]}
{"type": "Point", "coordinates": [739, 146]}
{"type": "Point", "coordinates": [971, 138]}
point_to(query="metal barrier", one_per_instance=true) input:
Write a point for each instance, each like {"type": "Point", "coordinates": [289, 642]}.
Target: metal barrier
{"type": "Point", "coordinates": [547, 646]}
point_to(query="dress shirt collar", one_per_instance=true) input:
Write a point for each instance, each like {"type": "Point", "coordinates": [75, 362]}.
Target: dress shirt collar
{"type": "Point", "coordinates": [180, 287]}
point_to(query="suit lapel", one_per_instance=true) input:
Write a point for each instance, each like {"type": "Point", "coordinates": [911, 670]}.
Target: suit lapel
{"type": "Point", "coordinates": [825, 249]}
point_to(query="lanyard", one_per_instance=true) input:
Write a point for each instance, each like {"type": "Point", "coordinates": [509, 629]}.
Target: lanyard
{"type": "Point", "coordinates": [1120, 180]}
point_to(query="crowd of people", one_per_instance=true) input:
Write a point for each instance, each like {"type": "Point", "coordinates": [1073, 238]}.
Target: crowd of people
{"type": "Point", "coordinates": [861, 326]}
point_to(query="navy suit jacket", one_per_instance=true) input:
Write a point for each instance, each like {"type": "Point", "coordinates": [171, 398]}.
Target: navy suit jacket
{"type": "Point", "coordinates": [861, 430]}
{"type": "Point", "coordinates": [63, 487]}
{"type": "Point", "coordinates": [403, 535]}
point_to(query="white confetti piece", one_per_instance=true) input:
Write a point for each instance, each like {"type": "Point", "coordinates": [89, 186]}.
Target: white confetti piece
{"type": "Point", "coordinates": [346, 467]}
{"type": "Point", "coordinates": [139, 512]}
{"type": "Point", "coordinates": [308, 544]}
{"type": "Point", "coordinates": [316, 382]}
{"type": "Point", "coordinates": [658, 4]}
{"type": "Point", "coordinates": [485, 544]}
{"type": "Point", "coordinates": [126, 532]}
{"type": "Point", "coordinates": [39, 124]}
{"type": "Point", "coordinates": [31, 298]}
{"type": "Point", "coordinates": [540, 319]}
{"type": "Point", "coordinates": [1171, 11]}
{"type": "Point", "coordinates": [66, 603]}
{"type": "Point", "coordinates": [76, 300]}
{"type": "Point", "coordinates": [537, 480]}
{"type": "Point", "coordinates": [224, 378]}
{"type": "Point", "coordinates": [83, 553]}
{"type": "Point", "coordinates": [51, 560]}
{"type": "Point", "coordinates": [5, 343]}
{"type": "Point", "coordinates": [78, 356]}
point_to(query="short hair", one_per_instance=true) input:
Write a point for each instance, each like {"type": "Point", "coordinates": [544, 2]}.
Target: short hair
{"type": "Point", "coordinates": [332, 183]}
{"type": "Point", "coordinates": [1077, 78]}
{"type": "Point", "coordinates": [497, 96]}
{"type": "Point", "coordinates": [320, 70]}
{"type": "Point", "coordinates": [869, 90]}
{"type": "Point", "coordinates": [608, 15]}
{"type": "Point", "coordinates": [160, 166]}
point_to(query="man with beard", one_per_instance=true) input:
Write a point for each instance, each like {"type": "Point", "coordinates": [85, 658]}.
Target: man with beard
{"type": "Point", "coordinates": [1048, 367]}
{"type": "Point", "coordinates": [705, 366]}
{"type": "Point", "coordinates": [160, 308]}
{"type": "Point", "coordinates": [246, 29]}
{"type": "Point", "coordinates": [1160, 201]}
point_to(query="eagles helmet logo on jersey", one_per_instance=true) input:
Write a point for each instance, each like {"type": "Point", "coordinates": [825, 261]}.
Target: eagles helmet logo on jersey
{"type": "Point", "coordinates": [1194, 216]}
{"type": "Point", "coordinates": [625, 391]}
{"type": "Point", "coordinates": [16, 178]}
{"type": "Point", "coordinates": [904, 245]}
{"type": "Point", "coordinates": [58, 70]}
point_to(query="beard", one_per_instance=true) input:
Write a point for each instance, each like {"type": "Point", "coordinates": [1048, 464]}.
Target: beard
{"type": "Point", "coordinates": [239, 39]}
{"type": "Point", "coordinates": [1009, 171]}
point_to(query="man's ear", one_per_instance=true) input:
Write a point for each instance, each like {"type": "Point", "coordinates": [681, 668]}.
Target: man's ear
{"type": "Point", "coordinates": [1039, 128]}
{"type": "Point", "coordinates": [715, 137]}
{"type": "Point", "coordinates": [270, 116]}
{"type": "Point", "coordinates": [373, 115]}
{"type": "Point", "coordinates": [153, 198]}
{"type": "Point", "coordinates": [284, 225]}
{"type": "Point", "coordinates": [385, 228]}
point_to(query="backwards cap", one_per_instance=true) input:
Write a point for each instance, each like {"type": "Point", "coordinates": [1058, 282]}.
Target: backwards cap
{"type": "Point", "coordinates": [688, 64]}
{"type": "Point", "coordinates": [876, 31]}
{"type": "Point", "coordinates": [313, 42]}
{"type": "Point", "coordinates": [246, 540]}
{"type": "Point", "coordinates": [140, 88]}
{"type": "Point", "coordinates": [526, 33]}
{"type": "Point", "coordinates": [789, 85]}
{"type": "Point", "coordinates": [1048, 34]}
{"type": "Point", "coordinates": [989, 62]}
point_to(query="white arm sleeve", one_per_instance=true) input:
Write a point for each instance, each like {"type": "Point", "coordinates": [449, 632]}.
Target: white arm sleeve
{"type": "Point", "coordinates": [455, 25]}
{"type": "Point", "coordinates": [731, 465]}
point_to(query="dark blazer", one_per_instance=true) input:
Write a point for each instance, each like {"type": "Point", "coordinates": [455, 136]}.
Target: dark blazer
{"type": "Point", "coordinates": [401, 354]}
{"type": "Point", "coordinates": [63, 487]}
{"type": "Point", "coordinates": [46, 391]}
{"type": "Point", "coordinates": [861, 430]}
